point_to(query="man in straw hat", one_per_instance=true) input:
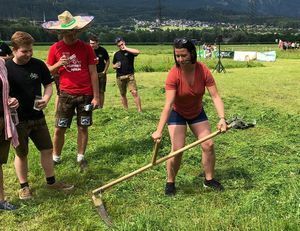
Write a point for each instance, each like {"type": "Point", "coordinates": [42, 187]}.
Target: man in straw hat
{"type": "Point", "coordinates": [75, 63]}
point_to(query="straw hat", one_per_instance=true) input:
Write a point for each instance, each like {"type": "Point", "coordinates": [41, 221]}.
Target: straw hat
{"type": "Point", "coordinates": [66, 21]}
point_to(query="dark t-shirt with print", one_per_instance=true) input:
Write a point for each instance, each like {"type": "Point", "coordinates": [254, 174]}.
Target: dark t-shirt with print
{"type": "Point", "coordinates": [25, 83]}
{"type": "Point", "coordinates": [4, 49]}
{"type": "Point", "coordinates": [102, 55]}
{"type": "Point", "coordinates": [127, 62]}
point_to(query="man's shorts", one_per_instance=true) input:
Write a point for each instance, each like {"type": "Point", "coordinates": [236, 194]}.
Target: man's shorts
{"type": "Point", "coordinates": [66, 109]}
{"type": "Point", "coordinates": [126, 81]}
{"type": "Point", "coordinates": [176, 119]}
{"type": "Point", "coordinates": [4, 144]}
{"type": "Point", "coordinates": [102, 82]}
{"type": "Point", "coordinates": [37, 131]}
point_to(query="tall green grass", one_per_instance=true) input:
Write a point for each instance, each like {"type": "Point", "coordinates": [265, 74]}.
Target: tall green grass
{"type": "Point", "coordinates": [159, 58]}
{"type": "Point", "coordinates": [259, 167]}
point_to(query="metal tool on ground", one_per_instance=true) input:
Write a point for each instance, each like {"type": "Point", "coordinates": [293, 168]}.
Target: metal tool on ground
{"type": "Point", "coordinates": [236, 123]}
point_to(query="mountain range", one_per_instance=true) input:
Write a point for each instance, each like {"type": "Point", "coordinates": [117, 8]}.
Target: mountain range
{"type": "Point", "coordinates": [114, 12]}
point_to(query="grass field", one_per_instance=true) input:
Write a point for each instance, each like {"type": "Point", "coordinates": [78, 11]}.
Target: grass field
{"type": "Point", "coordinates": [259, 167]}
{"type": "Point", "coordinates": [159, 58]}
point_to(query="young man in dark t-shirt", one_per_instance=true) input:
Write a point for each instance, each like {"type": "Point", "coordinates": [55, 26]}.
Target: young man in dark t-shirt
{"type": "Point", "coordinates": [102, 66]}
{"type": "Point", "coordinates": [25, 76]}
{"type": "Point", "coordinates": [123, 63]}
{"type": "Point", "coordinates": [5, 51]}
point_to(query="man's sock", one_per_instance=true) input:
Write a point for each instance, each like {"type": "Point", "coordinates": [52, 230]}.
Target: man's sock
{"type": "Point", "coordinates": [80, 157]}
{"type": "Point", "coordinates": [50, 180]}
{"type": "Point", "coordinates": [56, 158]}
{"type": "Point", "coordinates": [23, 185]}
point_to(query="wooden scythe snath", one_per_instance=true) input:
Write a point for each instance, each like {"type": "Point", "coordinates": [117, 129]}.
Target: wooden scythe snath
{"type": "Point", "coordinates": [235, 123]}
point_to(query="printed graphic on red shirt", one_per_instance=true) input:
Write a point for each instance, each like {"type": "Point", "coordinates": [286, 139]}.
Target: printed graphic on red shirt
{"type": "Point", "coordinates": [74, 63]}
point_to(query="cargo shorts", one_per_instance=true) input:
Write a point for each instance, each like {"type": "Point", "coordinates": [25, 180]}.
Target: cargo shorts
{"type": "Point", "coordinates": [37, 130]}
{"type": "Point", "coordinates": [125, 81]}
{"type": "Point", "coordinates": [66, 109]}
{"type": "Point", "coordinates": [102, 82]}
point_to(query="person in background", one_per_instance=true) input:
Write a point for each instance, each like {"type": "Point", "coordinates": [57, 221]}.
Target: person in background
{"type": "Point", "coordinates": [102, 66]}
{"type": "Point", "coordinates": [8, 132]}
{"type": "Point", "coordinates": [185, 87]}
{"type": "Point", "coordinates": [26, 75]}
{"type": "Point", "coordinates": [123, 63]}
{"type": "Point", "coordinates": [5, 51]}
{"type": "Point", "coordinates": [75, 63]}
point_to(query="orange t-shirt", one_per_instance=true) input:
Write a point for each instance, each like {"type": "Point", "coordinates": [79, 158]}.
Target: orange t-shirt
{"type": "Point", "coordinates": [188, 99]}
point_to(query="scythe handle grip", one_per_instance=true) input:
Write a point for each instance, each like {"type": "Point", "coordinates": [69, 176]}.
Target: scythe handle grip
{"type": "Point", "coordinates": [155, 151]}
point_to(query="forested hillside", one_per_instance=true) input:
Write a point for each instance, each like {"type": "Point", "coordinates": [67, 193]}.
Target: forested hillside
{"type": "Point", "coordinates": [112, 12]}
{"type": "Point", "coordinates": [116, 17]}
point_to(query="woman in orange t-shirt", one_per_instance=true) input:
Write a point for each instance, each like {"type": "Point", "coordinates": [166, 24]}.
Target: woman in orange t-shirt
{"type": "Point", "coordinates": [185, 87]}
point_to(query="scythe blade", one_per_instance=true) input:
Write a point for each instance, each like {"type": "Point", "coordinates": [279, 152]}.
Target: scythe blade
{"type": "Point", "coordinates": [101, 209]}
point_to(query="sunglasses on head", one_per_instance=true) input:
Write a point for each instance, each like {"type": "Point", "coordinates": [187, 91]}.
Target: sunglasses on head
{"type": "Point", "coordinates": [119, 39]}
{"type": "Point", "coordinates": [180, 41]}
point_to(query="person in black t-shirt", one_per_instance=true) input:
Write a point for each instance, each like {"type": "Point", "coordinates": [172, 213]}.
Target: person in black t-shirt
{"type": "Point", "coordinates": [123, 63]}
{"type": "Point", "coordinates": [5, 51]}
{"type": "Point", "coordinates": [102, 66]}
{"type": "Point", "coordinates": [26, 75]}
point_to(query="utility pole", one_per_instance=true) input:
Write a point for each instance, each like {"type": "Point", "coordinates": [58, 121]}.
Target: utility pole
{"type": "Point", "coordinates": [158, 22]}
{"type": "Point", "coordinates": [158, 19]}
{"type": "Point", "coordinates": [252, 9]}
{"type": "Point", "coordinates": [44, 16]}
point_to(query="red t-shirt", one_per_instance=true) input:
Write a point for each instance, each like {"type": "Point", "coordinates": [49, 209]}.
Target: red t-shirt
{"type": "Point", "coordinates": [188, 99]}
{"type": "Point", "coordinates": [74, 78]}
